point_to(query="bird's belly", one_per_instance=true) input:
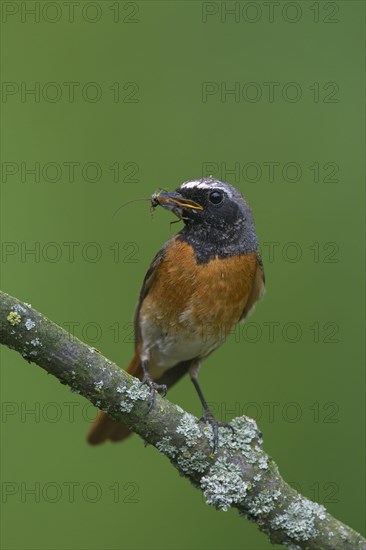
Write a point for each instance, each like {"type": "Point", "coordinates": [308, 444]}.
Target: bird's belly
{"type": "Point", "coordinates": [176, 342]}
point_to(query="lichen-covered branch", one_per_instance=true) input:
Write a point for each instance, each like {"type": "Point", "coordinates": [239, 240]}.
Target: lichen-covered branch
{"type": "Point", "coordinates": [240, 474]}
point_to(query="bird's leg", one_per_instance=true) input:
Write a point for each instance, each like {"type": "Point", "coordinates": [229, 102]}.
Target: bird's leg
{"type": "Point", "coordinates": [153, 386]}
{"type": "Point", "coordinates": [208, 417]}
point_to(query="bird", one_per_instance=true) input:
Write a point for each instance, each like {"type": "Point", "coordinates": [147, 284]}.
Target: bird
{"type": "Point", "coordinates": [203, 281]}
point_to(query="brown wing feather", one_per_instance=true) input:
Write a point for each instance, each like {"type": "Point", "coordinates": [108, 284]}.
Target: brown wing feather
{"type": "Point", "coordinates": [258, 289]}
{"type": "Point", "coordinates": [145, 289]}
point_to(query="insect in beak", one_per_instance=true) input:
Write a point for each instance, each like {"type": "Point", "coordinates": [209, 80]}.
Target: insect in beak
{"type": "Point", "coordinates": [174, 201]}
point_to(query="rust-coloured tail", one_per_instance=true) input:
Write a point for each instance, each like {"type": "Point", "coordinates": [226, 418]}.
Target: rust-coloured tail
{"type": "Point", "coordinates": [104, 428]}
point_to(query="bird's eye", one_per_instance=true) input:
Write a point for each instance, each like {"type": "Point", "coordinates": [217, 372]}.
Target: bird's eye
{"type": "Point", "coordinates": [215, 197]}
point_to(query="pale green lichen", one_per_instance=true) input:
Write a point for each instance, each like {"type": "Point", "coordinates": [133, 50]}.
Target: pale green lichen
{"type": "Point", "coordinates": [136, 392]}
{"type": "Point", "coordinates": [245, 432]}
{"type": "Point", "coordinates": [19, 308]}
{"type": "Point", "coordinates": [239, 439]}
{"type": "Point", "coordinates": [14, 318]}
{"type": "Point", "coordinates": [29, 324]}
{"type": "Point", "coordinates": [263, 462]}
{"type": "Point", "coordinates": [189, 427]}
{"type": "Point", "coordinates": [126, 406]}
{"type": "Point", "coordinates": [165, 446]}
{"type": "Point", "coordinates": [343, 532]}
{"type": "Point", "coordinates": [36, 342]}
{"type": "Point", "coordinates": [263, 503]}
{"type": "Point", "coordinates": [190, 463]}
{"type": "Point", "coordinates": [223, 486]}
{"type": "Point", "coordinates": [291, 546]}
{"type": "Point", "coordinates": [298, 520]}
{"type": "Point", "coordinates": [98, 385]}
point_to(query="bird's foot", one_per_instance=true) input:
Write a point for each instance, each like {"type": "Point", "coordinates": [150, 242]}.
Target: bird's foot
{"type": "Point", "coordinates": [209, 418]}
{"type": "Point", "coordinates": [154, 387]}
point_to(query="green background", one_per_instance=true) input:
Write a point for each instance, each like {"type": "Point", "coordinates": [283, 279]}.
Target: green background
{"type": "Point", "coordinates": [308, 393]}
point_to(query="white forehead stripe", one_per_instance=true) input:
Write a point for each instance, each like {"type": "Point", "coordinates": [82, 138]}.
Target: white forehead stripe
{"type": "Point", "coordinates": [198, 185]}
{"type": "Point", "coordinates": [202, 185]}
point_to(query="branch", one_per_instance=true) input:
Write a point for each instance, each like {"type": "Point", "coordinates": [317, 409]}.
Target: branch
{"type": "Point", "coordinates": [239, 475]}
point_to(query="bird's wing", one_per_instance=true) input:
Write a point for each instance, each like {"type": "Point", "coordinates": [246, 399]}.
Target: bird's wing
{"type": "Point", "coordinates": [257, 291]}
{"type": "Point", "coordinates": [145, 289]}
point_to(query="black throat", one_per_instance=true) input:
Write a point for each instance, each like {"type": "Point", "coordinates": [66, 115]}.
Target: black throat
{"type": "Point", "coordinates": [209, 242]}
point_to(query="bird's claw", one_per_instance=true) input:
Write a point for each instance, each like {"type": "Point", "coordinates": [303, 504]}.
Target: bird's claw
{"type": "Point", "coordinates": [154, 387]}
{"type": "Point", "coordinates": [208, 418]}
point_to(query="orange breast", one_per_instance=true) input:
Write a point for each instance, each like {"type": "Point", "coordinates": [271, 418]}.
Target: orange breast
{"type": "Point", "coordinates": [210, 297]}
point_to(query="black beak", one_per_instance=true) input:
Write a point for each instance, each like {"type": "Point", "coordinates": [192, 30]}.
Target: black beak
{"type": "Point", "coordinates": [173, 201]}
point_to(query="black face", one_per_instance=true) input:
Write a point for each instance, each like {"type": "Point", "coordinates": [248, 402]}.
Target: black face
{"type": "Point", "coordinates": [218, 221]}
{"type": "Point", "coordinates": [219, 206]}
{"type": "Point", "coordinates": [206, 201]}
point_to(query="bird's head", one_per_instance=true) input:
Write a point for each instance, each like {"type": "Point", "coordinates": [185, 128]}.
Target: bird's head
{"type": "Point", "coordinates": [218, 220]}
{"type": "Point", "coordinates": [206, 201]}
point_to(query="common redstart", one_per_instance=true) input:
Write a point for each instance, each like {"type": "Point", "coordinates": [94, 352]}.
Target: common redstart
{"type": "Point", "coordinates": [202, 282]}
